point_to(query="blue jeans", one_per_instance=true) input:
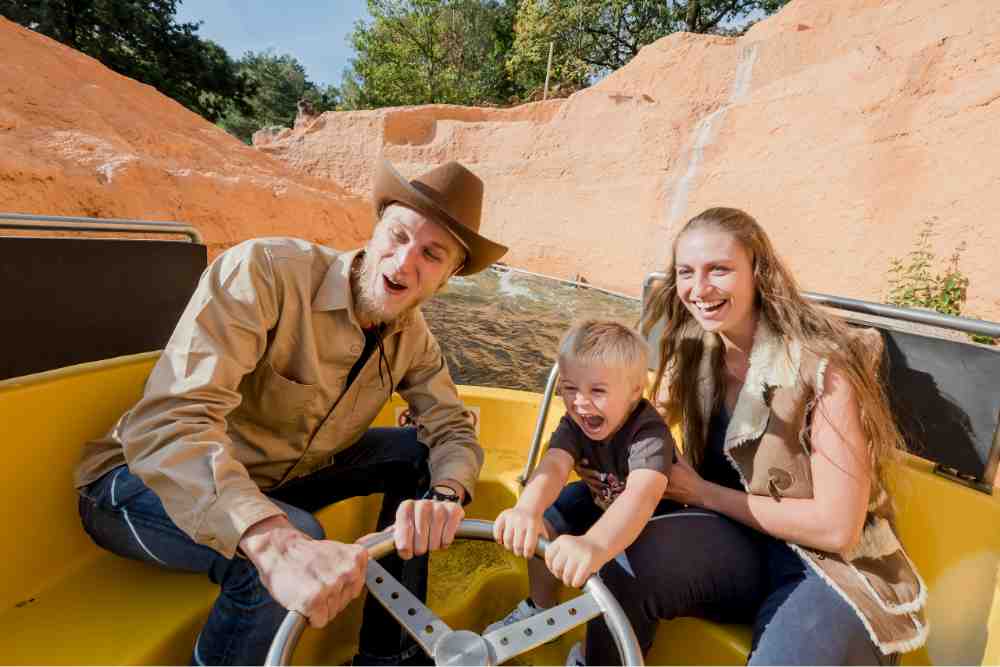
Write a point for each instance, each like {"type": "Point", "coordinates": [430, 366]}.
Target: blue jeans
{"type": "Point", "coordinates": [803, 621]}
{"type": "Point", "coordinates": [122, 515]}
{"type": "Point", "coordinates": [693, 562]}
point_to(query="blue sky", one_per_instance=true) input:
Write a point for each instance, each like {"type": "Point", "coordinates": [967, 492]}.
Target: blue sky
{"type": "Point", "coordinates": [314, 31]}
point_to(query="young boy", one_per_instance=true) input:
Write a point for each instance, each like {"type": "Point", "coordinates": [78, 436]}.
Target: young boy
{"type": "Point", "coordinates": [611, 430]}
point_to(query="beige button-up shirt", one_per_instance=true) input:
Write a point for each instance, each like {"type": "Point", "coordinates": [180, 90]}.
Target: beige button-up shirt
{"type": "Point", "coordinates": [249, 392]}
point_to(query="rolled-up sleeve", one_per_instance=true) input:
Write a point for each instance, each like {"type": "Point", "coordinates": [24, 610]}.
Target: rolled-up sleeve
{"type": "Point", "coordinates": [175, 437]}
{"type": "Point", "coordinates": [443, 423]}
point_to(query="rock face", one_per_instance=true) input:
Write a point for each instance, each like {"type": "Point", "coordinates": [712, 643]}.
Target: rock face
{"type": "Point", "coordinates": [78, 139]}
{"type": "Point", "coordinates": [842, 127]}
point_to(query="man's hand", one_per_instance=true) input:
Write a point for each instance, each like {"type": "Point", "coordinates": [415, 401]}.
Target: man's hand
{"type": "Point", "coordinates": [573, 559]}
{"type": "Point", "coordinates": [316, 578]}
{"type": "Point", "coordinates": [518, 530]}
{"type": "Point", "coordinates": [425, 525]}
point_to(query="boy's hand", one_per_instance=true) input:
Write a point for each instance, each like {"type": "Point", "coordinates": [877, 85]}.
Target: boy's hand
{"type": "Point", "coordinates": [573, 559]}
{"type": "Point", "coordinates": [518, 530]}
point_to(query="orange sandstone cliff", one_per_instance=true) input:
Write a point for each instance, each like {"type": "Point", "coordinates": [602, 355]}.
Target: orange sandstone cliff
{"type": "Point", "coordinates": [79, 139]}
{"type": "Point", "coordinates": [841, 126]}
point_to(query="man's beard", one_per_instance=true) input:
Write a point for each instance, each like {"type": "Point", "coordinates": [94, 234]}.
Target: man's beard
{"type": "Point", "coordinates": [367, 306]}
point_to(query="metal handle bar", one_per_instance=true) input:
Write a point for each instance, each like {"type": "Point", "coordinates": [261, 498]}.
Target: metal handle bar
{"type": "Point", "coordinates": [79, 224]}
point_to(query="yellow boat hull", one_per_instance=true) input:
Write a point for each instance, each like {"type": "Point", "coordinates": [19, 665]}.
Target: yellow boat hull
{"type": "Point", "coordinates": [64, 601]}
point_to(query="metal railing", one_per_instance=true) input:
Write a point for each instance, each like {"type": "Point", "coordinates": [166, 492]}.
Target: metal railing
{"type": "Point", "coordinates": [963, 324]}
{"type": "Point", "coordinates": [81, 224]}
{"type": "Point", "coordinates": [543, 415]}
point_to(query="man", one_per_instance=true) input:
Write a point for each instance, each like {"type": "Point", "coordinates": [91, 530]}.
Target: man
{"type": "Point", "coordinates": [258, 412]}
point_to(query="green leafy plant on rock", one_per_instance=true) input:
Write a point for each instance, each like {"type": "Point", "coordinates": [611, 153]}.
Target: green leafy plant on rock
{"type": "Point", "coordinates": [915, 283]}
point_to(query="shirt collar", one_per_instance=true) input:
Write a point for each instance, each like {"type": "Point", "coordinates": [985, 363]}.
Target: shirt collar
{"type": "Point", "coordinates": [334, 292]}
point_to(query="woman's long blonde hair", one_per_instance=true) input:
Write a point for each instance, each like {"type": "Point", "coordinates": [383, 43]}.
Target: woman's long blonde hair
{"type": "Point", "coordinates": [780, 303]}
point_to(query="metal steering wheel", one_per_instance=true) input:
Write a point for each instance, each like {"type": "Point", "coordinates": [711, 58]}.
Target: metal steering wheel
{"type": "Point", "coordinates": [463, 647]}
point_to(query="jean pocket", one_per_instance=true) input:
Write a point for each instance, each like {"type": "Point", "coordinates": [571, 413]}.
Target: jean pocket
{"type": "Point", "coordinates": [124, 488]}
{"type": "Point", "coordinates": [97, 492]}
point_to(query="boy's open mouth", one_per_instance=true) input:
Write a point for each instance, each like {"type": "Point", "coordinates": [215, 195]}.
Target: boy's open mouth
{"type": "Point", "coordinates": [592, 422]}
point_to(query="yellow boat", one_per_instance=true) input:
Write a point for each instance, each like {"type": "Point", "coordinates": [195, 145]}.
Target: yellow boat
{"type": "Point", "coordinates": [65, 601]}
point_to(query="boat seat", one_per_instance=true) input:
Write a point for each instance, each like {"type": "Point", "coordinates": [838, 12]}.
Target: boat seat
{"type": "Point", "coordinates": [63, 600]}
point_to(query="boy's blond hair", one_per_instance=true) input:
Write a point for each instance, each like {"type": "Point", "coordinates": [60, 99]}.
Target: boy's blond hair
{"type": "Point", "coordinates": [608, 344]}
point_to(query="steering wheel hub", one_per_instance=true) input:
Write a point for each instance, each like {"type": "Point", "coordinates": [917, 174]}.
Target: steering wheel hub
{"type": "Point", "coordinates": [462, 647]}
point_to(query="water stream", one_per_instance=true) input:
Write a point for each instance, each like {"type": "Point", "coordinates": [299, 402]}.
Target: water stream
{"type": "Point", "coordinates": [501, 328]}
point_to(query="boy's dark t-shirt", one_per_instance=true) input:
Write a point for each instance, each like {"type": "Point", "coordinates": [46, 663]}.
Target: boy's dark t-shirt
{"type": "Point", "coordinates": [642, 442]}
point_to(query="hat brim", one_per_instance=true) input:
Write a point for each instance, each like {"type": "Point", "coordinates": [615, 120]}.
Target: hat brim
{"type": "Point", "coordinates": [390, 187]}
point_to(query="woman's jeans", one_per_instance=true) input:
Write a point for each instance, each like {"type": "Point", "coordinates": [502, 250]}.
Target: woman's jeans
{"type": "Point", "coordinates": [124, 516]}
{"type": "Point", "coordinates": [697, 563]}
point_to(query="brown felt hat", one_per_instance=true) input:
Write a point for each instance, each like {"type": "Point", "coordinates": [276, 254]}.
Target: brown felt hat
{"type": "Point", "coordinates": [450, 195]}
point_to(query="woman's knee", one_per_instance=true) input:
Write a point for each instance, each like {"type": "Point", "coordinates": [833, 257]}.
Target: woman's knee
{"type": "Point", "coordinates": [691, 564]}
{"type": "Point", "coordinates": [808, 622]}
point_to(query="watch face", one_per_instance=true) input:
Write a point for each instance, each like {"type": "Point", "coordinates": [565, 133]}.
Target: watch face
{"type": "Point", "coordinates": [442, 492]}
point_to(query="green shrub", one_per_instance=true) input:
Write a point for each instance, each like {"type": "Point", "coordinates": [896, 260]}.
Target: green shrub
{"type": "Point", "coordinates": [914, 282]}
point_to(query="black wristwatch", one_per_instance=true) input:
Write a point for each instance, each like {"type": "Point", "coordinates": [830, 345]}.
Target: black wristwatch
{"type": "Point", "coordinates": [442, 492]}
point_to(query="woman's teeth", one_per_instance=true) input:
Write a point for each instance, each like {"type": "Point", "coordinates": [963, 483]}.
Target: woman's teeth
{"type": "Point", "coordinates": [710, 306]}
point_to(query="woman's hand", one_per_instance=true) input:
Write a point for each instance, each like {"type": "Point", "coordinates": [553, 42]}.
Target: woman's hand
{"type": "Point", "coordinates": [685, 486]}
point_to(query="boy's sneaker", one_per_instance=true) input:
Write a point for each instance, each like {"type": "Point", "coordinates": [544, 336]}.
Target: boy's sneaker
{"type": "Point", "coordinates": [524, 609]}
{"type": "Point", "coordinates": [575, 657]}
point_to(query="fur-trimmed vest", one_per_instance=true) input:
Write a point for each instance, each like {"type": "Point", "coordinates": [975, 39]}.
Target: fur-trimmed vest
{"type": "Point", "coordinates": [767, 442]}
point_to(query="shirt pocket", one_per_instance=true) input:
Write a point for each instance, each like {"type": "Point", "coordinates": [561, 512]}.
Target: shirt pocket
{"type": "Point", "coordinates": [274, 401]}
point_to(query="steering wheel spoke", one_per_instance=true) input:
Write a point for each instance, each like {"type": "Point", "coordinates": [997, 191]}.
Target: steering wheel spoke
{"type": "Point", "coordinates": [422, 624]}
{"type": "Point", "coordinates": [520, 637]}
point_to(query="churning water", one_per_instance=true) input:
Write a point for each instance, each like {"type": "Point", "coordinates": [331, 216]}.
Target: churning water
{"type": "Point", "coordinates": [501, 328]}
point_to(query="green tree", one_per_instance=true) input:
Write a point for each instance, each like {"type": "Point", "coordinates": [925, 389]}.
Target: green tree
{"type": "Point", "coordinates": [593, 37]}
{"type": "Point", "coordinates": [431, 51]}
{"type": "Point", "coordinates": [280, 84]}
{"type": "Point", "coordinates": [140, 40]}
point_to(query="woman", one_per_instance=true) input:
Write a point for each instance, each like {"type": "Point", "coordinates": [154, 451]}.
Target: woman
{"type": "Point", "coordinates": [786, 429]}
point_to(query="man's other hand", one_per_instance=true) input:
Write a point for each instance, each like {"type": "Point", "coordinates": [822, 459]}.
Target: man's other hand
{"type": "Point", "coordinates": [425, 525]}
{"type": "Point", "coordinates": [316, 578]}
